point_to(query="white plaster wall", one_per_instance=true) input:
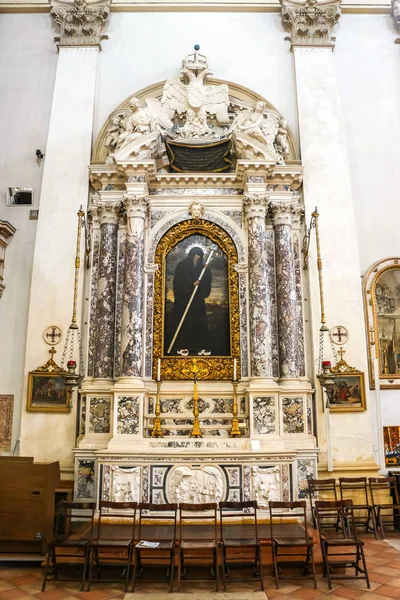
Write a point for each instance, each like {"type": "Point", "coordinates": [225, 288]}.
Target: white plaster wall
{"type": "Point", "coordinates": [145, 48]}
{"type": "Point", "coordinates": [28, 59]}
{"type": "Point", "coordinates": [368, 73]}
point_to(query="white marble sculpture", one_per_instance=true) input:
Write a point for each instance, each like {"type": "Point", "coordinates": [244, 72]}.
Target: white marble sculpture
{"type": "Point", "coordinates": [265, 484]}
{"type": "Point", "coordinates": [195, 485]}
{"type": "Point", "coordinates": [142, 120]}
{"type": "Point", "coordinates": [81, 23]}
{"type": "Point", "coordinates": [125, 484]}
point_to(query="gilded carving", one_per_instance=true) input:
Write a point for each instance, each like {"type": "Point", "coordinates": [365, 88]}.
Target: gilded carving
{"type": "Point", "coordinates": [213, 367]}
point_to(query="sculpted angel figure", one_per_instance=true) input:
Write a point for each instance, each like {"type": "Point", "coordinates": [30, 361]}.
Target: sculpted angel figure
{"type": "Point", "coordinates": [114, 130]}
{"type": "Point", "coordinates": [281, 143]}
{"type": "Point", "coordinates": [143, 120]}
{"type": "Point", "coordinates": [257, 124]}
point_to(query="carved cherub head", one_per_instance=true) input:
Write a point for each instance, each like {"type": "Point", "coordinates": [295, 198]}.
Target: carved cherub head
{"type": "Point", "coordinates": [259, 106]}
{"type": "Point", "coordinates": [135, 104]}
{"type": "Point", "coordinates": [196, 210]}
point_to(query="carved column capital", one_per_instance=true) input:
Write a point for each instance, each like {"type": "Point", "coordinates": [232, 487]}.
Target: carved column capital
{"type": "Point", "coordinates": [396, 16]}
{"type": "Point", "coordinates": [311, 22]}
{"type": "Point", "coordinates": [136, 205]}
{"type": "Point", "coordinates": [81, 23]}
{"type": "Point", "coordinates": [286, 214]}
{"type": "Point", "coordinates": [255, 205]}
{"type": "Point", "coordinates": [94, 216]}
{"type": "Point", "coordinates": [108, 212]}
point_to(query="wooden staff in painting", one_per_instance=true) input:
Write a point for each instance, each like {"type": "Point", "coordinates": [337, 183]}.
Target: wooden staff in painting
{"type": "Point", "coordinates": [190, 302]}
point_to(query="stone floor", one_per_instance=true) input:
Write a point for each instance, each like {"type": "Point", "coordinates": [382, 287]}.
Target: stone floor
{"type": "Point", "coordinates": [19, 582]}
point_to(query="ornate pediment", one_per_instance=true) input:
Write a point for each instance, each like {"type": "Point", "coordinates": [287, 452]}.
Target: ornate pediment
{"type": "Point", "coordinates": [192, 112]}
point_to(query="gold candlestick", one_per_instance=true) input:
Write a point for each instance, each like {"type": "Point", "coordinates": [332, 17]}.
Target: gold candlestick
{"type": "Point", "coordinates": [157, 431]}
{"type": "Point", "coordinates": [235, 431]}
{"type": "Point", "coordinates": [196, 431]}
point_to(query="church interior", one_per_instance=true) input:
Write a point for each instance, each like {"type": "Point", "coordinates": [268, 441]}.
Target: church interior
{"type": "Point", "coordinates": [199, 280]}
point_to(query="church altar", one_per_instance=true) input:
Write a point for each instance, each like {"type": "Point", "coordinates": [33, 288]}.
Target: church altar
{"type": "Point", "coordinates": [237, 231]}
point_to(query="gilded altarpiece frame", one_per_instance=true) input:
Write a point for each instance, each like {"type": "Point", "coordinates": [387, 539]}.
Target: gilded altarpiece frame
{"type": "Point", "coordinates": [382, 310]}
{"type": "Point", "coordinates": [212, 367]}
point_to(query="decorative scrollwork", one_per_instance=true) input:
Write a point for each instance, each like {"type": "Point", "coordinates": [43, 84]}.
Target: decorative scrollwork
{"type": "Point", "coordinates": [213, 367]}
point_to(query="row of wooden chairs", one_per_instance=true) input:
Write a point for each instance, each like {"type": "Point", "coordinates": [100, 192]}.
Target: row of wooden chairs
{"type": "Point", "coordinates": [103, 545]}
{"type": "Point", "coordinates": [374, 509]}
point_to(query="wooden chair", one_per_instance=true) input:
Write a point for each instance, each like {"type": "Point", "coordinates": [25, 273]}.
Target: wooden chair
{"type": "Point", "coordinates": [67, 547]}
{"type": "Point", "coordinates": [321, 487]}
{"type": "Point", "coordinates": [341, 549]}
{"type": "Point", "coordinates": [240, 513]}
{"type": "Point", "coordinates": [150, 530]}
{"type": "Point", "coordinates": [381, 488]}
{"type": "Point", "coordinates": [194, 548]}
{"type": "Point", "coordinates": [110, 549]}
{"type": "Point", "coordinates": [293, 544]}
{"type": "Point", "coordinates": [350, 485]}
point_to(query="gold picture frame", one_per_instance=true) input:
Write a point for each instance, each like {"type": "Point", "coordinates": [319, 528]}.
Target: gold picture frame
{"type": "Point", "coordinates": [348, 392]}
{"type": "Point", "coordinates": [380, 323]}
{"type": "Point", "coordinates": [179, 367]}
{"type": "Point", "coordinates": [47, 391]}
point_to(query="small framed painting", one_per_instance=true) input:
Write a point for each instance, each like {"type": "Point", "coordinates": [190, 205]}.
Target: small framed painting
{"type": "Point", "coordinates": [348, 392]}
{"type": "Point", "coordinates": [47, 391]}
{"type": "Point", "coordinates": [391, 438]}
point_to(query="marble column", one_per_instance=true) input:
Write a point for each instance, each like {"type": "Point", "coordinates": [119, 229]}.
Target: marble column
{"type": "Point", "coordinates": [106, 290]}
{"type": "Point", "coordinates": [286, 290]}
{"type": "Point", "coordinates": [136, 207]}
{"type": "Point", "coordinates": [64, 189]}
{"type": "Point", "coordinates": [261, 286]}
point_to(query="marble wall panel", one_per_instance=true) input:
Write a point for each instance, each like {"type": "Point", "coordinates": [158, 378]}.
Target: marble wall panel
{"type": "Point", "coordinates": [85, 480]}
{"type": "Point", "coordinates": [128, 414]}
{"type": "Point", "coordinates": [235, 215]}
{"type": "Point", "coordinates": [264, 415]}
{"type": "Point", "coordinates": [6, 418]}
{"type": "Point", "coordinates": [247, 483]}
{"type": "Point", "coordinates": [145, 484]}
{"type": "Point", "coordinates": [306, 469]}
{"type": "Point", "coordinates": [82, 428]}
{"type": "Point", "coordinates": [106, 482]}
{"type": "Point", "coordinates": [198, 191]}
{"type": "Point", "coordinates": [158, 475]}
{"type": "Point", "coordinates": [99, 415]}
{"type": "Point", "coordinates": [309, 416]}
{"type": "Point", "coordinates": [244, 345]}
{"type": "Point", "coordinates": [293, 415]}
{"type": "Point", "coordinates": [286, 484]}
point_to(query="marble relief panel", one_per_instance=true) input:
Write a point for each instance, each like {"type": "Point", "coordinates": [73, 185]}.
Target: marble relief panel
{"type": "Point", "coordinates": [286, 487]}
{"type": "Point", "coordinates": [247, 483]}
{"type": "Point", "coordinates": [128, 415]}
{"type": "Point", "coordinates": [145, 484]}
{"type": "Point", "coordinates": [264, 415]}
{"type": "Point", "coordinates": [306, 469]}
{"type": "Point", "coordinates": [100, 415]}
{"type": "Point", "coordinates": [106, 482]}
{"type": "Point", "coordinates": [265, 484]}
{"type": "Point", "coordinates": [85, 480]}
{"type": "Point", "coordinates": [195, 484]}
{"type": "Point", "coordinates": [125, 484]}
{"type": "Point", "coordinates": [293, 415]}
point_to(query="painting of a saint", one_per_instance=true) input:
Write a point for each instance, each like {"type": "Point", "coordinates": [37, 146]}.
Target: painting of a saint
{"type": "Point", "coordinates": [47, 392]}
{"type": "Point", "coordinates": [196, 320]}
{"type": "Point", "coordinates": [387, 302]}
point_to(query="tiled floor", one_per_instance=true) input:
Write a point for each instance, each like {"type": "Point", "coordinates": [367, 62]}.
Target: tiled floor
{"type": "Point", "coordinates": [18, 582]}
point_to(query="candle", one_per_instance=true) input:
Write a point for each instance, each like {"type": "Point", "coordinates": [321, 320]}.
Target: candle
{"type": "Point", "coordinates": [234, 369]}
{"type": "Point", "coordinates": [159, 369]}
{"type": "Point", "coordinates": [326, 364]}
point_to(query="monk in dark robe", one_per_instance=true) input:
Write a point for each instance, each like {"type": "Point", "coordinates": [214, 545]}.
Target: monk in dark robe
{"type": "Point", "coordinates": [193, 335]}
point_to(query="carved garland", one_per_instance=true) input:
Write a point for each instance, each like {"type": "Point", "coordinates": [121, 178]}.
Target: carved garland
{"type": "Point", "coordinates": [175, 367]}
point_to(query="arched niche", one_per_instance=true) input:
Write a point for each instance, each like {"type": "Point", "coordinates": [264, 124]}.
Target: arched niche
{"type": "Point", "coordinates": [382, 308]}
{"type": "Point", "coordinates": [240, 97]}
